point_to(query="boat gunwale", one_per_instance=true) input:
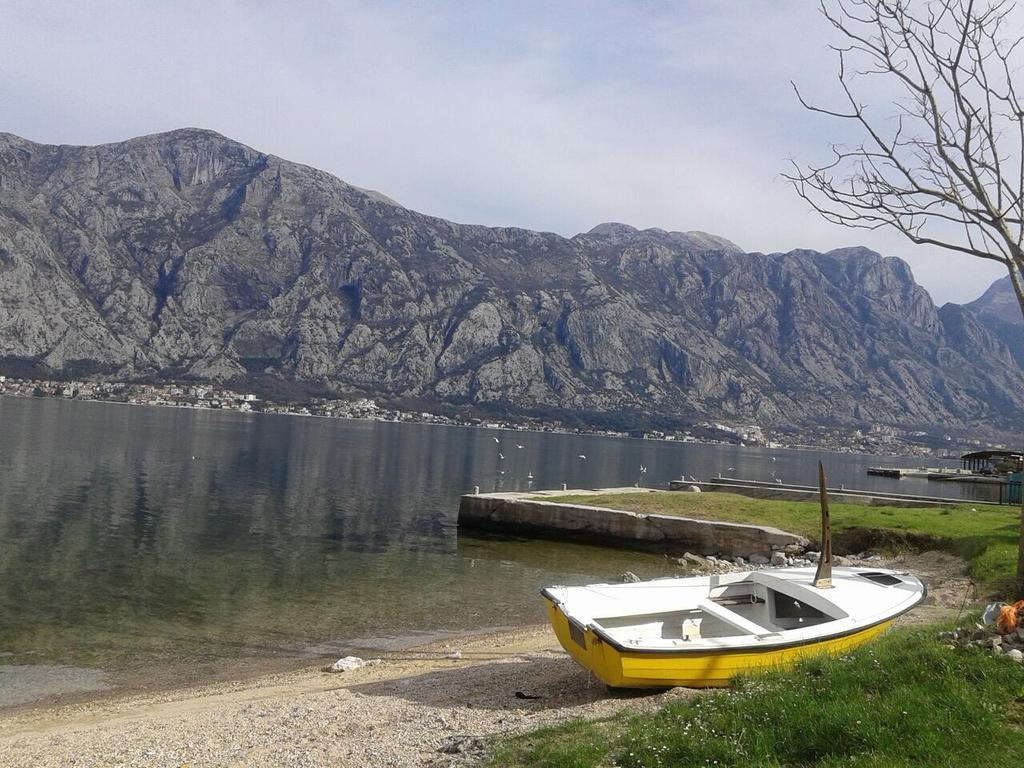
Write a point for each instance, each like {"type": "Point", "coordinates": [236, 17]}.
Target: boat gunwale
{"type": "Point", "coordinates": [601, 633]}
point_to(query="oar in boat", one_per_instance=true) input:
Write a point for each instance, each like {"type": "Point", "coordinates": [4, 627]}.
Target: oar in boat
{"type": "Point", "coordinates": [823, 576]}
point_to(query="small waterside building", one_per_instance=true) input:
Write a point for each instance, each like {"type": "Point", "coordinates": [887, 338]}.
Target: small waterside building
{"type": "Point", "coordinates": [992, 462]}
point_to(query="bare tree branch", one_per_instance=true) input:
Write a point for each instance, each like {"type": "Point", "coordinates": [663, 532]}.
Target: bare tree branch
{"type": "Point", "coordinates": [937, 163]}
{"type": "Point", "coordinates": [942, 176]}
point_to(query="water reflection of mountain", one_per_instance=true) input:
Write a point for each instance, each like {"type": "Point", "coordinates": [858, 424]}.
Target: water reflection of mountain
{"type": "Point", "coordinates": [134, 533]}
{"type": "Point", "coordinates": [154, 531]}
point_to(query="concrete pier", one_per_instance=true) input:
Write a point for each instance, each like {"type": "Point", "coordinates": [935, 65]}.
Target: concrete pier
{"type": "Point", "coordinates": [525, 513]}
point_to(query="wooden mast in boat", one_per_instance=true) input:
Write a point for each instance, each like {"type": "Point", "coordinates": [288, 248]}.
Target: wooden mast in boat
{"type": "Point", "coordinates": [823, 576]}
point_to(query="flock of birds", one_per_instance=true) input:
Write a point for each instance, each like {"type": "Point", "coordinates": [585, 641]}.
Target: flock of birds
{"type": "Point", "coordinates": [501, 457]}
{"type": "Point", "coordinates": [529, 475]}
{"type": "Point", "coordinates": [583, 457]}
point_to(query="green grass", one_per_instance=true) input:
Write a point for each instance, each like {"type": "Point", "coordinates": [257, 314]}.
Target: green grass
{"type": "Point", "coordinates": [904, 700]}
{"type": "Point", "coordinates": [987, 539]}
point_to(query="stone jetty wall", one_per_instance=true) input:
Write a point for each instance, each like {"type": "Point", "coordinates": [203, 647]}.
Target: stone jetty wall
{"type": "Point", "coordinates": [522, 513]}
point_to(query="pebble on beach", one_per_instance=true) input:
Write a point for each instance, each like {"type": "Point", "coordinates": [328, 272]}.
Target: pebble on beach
{"type": "Point", "coordinates": [347, 664]}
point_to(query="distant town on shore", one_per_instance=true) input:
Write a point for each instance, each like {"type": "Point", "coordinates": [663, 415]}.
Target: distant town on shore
{"type": "Point", "coordinates": [879, 439]}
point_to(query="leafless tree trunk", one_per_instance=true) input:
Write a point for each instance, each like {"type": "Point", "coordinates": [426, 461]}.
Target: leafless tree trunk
{"type": "Point", "coordinates": [944, 163]}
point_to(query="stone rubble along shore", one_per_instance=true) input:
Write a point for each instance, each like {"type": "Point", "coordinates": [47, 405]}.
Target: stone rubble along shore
{"type": "Point", "coordinates": [793, 558]}
{"type": "Point", "coordinates": [988, 639]}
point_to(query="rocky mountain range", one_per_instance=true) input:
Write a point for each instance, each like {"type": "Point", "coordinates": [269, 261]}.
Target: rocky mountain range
{"type": "Point", "coordinates": [187, 255]}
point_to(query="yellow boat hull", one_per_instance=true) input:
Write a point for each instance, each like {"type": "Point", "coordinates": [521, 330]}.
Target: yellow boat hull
{"type": "Point", "coordinates": [713, 669]}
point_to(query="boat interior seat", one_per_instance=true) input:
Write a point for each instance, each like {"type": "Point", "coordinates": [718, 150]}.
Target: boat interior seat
{"type": "Point", "coordinates": [705, 620]}
{"type": "Point", "coordinates": [671, 625]}
{"type": "Point", "coordinates": [732, 618]}
{"type": "Point", "coordinates": [759, 606]}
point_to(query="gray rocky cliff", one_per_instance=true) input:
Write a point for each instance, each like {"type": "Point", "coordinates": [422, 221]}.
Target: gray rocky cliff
{"type": "Point", "coordinates": [188, 255]}
{"type": "Point", "coordinates": [999, 311]}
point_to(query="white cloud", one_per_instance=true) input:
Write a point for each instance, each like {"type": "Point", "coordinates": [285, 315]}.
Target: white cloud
{"type": "Point", "coordinates": [541, 115]}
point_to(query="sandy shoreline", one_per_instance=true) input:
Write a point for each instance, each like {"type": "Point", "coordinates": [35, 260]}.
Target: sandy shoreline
{"type": "Point", "coordinates": [414, 708]}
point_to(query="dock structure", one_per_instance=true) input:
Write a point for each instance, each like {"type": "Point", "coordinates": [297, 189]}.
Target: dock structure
{"type": "Point", "coordinates": [929, 473]}
{"type": "Point", "coordinates": [996, 467]}
{"type": "Point", "coordinates": [888, 471]}
{"type": "Point", "coordinates": [992, 461]}
{"type": "Point", "coordinates": [532, 514]}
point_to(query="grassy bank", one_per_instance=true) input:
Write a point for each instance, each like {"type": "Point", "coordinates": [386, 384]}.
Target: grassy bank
{"type": "Point", "coordinates": [986, 538]}
{"type": "Point", "coordinates": [904, 700]}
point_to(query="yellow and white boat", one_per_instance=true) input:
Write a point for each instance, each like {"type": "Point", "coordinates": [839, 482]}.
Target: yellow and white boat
{"type": "Point", "coordinates": [704, 630]}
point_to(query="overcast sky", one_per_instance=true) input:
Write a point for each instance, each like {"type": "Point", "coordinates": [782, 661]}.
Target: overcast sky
{"type": "Point", "coordinates": [548, 115]}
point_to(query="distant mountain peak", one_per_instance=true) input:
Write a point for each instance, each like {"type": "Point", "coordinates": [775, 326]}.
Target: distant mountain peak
{"type": "Point", "coordinates": [696, 239]}
{"type": "Point", "coordinates": [999, 311]}
{"type": "Point", "coordinates": [699, 239]}
{"type": "Point", "coordinates": [858, 252]}
{"type": "Point", "coordinates": [173, 136]}
{"type": "Point", "coordinates": [998, 302]}
{"type": "Point", "coordinates": [613, 229]}
{"type": "Point", "coordinates": [186, 132]}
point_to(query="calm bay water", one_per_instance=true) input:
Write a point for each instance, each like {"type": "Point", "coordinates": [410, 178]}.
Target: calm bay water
{"type": "Point", "coordinates": [134, 536]}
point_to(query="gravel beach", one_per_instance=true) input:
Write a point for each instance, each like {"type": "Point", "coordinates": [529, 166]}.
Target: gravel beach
{"type": "Point", "coordinates": [419, 708]}
{"type": "Point", "coordinates": [412, 708]}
